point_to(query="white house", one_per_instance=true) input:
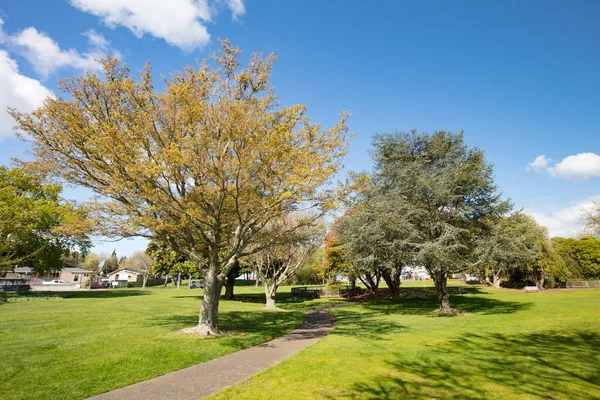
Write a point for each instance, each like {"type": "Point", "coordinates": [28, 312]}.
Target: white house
{"type": "Point", "coordinates": [70, 275]}
{"type": "Point", "coordinates": [125, 274]}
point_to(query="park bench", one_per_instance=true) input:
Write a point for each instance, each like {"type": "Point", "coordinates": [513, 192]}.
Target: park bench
{"type": "Point", "coordinates": [531, 289]}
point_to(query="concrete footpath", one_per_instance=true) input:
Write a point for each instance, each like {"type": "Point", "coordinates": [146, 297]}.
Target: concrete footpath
{"type": "Point", "coordinates": [204, 379]}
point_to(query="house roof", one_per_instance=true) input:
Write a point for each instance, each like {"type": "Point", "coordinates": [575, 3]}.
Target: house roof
{"type": "Point", "coordinates": [76, 270]}
{"type": "Point", "coordinates": [27, 270]}
{"type": "Point", "coordinates": [135, 271]}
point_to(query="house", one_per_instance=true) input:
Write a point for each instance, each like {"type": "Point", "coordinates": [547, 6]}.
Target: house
{"type": "Point", "coordinates": [126, 274]}
{"type": "Point", "coordinates": [74, 276]}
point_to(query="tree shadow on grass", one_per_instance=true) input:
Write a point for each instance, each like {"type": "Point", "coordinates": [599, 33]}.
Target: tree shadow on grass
{"type": "Point", "coordinates": [265, 325]}
{"type": "Point", "coordinates": [473, 301]}
{"type": "Point", "coordinates": [258, 298]}
{"type": "Point", "coordinates": [364, 326]}
{"type": "Point", "coordinates": [547, 365]}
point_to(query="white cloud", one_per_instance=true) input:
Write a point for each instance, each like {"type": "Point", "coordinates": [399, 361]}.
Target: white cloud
{"type": "Point", "coordinates": [97, 41]}
{"type": "Point", "coordinates": [237, 8]}
{"type": "Point", "coordinates": [17, 91]}
{"type": "Point", "coordinates": [568, 221]}
{"type": "Point", "coordinates": [579, 167]}
{"type": "Point", "coordinates": [46, 56]}
{"type": "Point", "coordinates": [539, 164]}
{"type": "Point", "coordinates": [179, 22]}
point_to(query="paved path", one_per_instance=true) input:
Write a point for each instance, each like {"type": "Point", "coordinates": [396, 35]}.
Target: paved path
{"type": "Point", "coordinates": [204, 379]}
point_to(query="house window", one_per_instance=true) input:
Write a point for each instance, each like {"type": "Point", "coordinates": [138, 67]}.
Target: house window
{"type": "Point", "coordinates": [75, 277]}
{"type": "Point", "coordinates": [128, 276]}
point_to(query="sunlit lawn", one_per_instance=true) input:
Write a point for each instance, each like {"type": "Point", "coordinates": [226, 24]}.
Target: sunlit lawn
{"type": "Point", "coordinates": [510, 345]}
{"type": "Point", "coordinates": [82, 344]}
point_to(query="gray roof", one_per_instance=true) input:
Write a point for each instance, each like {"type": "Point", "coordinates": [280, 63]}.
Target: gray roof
{"type": "Point", "coordinates": [27, 270]}
{"type": "Point", "coordinates": [76, 270]}
{"type": "Point", "coordinates": [135, 271]}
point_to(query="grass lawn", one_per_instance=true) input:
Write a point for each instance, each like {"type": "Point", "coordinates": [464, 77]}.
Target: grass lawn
{"type": "Point", "coordinates": [510, 345]}
{"type": "Point", "coordinates": [76, 345]}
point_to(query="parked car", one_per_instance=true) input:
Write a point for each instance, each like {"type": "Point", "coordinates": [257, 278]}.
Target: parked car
{"type": "Point", "coordinates": [54, 282]}
{"type": "Point", "coordinates": [196, 284]}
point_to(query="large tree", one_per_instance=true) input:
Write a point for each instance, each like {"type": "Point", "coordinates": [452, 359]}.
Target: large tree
{"type": "Point", "coordinates": [369, 234]}
{"type": "Point", "coordinates": [582, 256]}
{"type": "Point", "coordinates": [442, 191]}
{"type": "Point", "coordinates": [508, 243]}
{"type": "Point", "coordinates": [38, 228]}
{"type": "Point", "coordinates": [202, 165]}
{"type": "Point", "coordinates": [299, 237]}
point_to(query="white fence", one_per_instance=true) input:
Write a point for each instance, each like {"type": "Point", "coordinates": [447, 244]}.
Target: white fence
{"type": "Point", "coordinates": [64, 287]}
{"type": "Point", "coordinates": [583, 284]}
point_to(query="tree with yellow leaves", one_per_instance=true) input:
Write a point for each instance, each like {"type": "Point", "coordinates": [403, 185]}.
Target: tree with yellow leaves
{"type": "Point", "coordinates": [203, 165]}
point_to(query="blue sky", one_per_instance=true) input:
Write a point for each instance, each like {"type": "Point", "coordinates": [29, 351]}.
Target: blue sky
{"type": "Point", "coordinates": [520, 78]}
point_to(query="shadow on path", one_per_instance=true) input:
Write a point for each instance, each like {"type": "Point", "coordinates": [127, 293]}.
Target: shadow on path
{"type": "Point", "coordinates": [204, 379]}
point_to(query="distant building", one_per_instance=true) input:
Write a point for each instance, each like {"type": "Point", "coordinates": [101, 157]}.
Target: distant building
{"type": "Point", "coordinates": [76, 276]}
{"type": "Point", "coordinates": [126, 274]}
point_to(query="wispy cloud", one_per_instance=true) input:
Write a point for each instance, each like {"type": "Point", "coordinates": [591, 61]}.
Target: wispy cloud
{"type": "Point", "coordinates": [565, 221]}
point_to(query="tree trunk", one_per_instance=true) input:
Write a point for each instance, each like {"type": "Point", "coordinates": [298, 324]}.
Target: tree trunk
{"type": "Point", "coordinates": [392, 279]}
{"type": "Point", "coordinates": [352, 283]}
{"type": "Point", "coordinates": [270, 296]}
{"type": "Point", "coordinates": [440, 281]}
{"type": "Point", "coordinates": [209, 311]}
{"type": "Point", "coordinates": [368, 282]}
{"type": "Point", "coordinates": [541, 279]}
{"type": "Point", "coordinates": [497, 279]}
{"type": "Point", "coordinates": [144, 281]}
{"type": "Point", "coordinates": [229, 285]}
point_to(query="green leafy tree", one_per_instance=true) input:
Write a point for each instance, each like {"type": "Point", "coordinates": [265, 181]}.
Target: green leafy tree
{"type": "Point", "coordinates": [169, 263]}
{"type": "Point", "coordinates": [276, 263]}
{"type": "Point", "coordinates": [508, 243]}
{"type": "Point", "coordinates": [442, 192]}
{"type": "Point", "coordinates": [92, 262]}
{"type": "Point", "coordinates": [74, 259]}
{"type": "Point", "coordinates": [110, 264]}
{"type": "Point", "coordinates": [309, 273]}
{"type": "Point", "coordinates": [370, 234]}
{"type": "Point", "coordinates": [37, 227]}
{"type": "Point", "coordinates": [548, 265]}
{"type": "Point", "coordinates": [335, 261]}
{"type": "Point", "coordinates": [587, 253]}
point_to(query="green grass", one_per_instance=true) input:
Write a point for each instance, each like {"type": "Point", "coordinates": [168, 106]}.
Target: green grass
{"type": "Point", "coordinates": [510, 345]}
{"type": "Point", "coordinates": [74, 345]}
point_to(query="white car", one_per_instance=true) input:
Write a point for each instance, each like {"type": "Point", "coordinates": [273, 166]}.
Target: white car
{"type": "Point", "coordinates": [54, 282]}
